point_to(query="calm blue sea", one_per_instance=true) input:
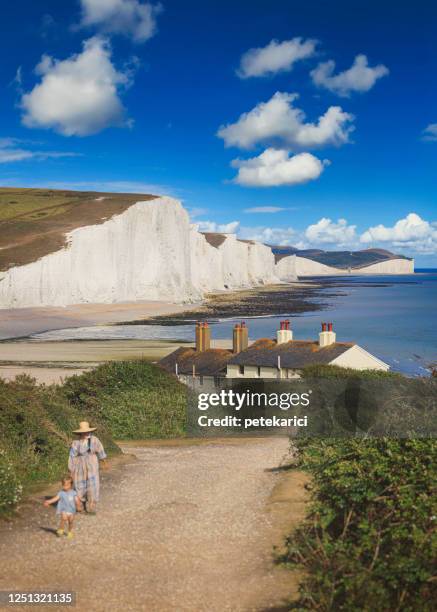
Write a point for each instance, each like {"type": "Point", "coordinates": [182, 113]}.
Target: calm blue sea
{"type": "Point", "coordinates": [393, 317]}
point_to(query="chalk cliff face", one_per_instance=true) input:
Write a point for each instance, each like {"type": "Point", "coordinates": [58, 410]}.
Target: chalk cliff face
{"type": "Point", "coordinates": [148, 252]}
{"type": "Point", "coordinates": [286, 268]}
{"type": "Point", "coordinates": [308, 267]}
{"type": "Point", "coordinates": [143, 253]}
{"type": "Point", "coordinates": [246, 263]}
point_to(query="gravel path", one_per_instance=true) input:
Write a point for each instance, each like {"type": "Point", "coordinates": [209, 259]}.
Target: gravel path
{"type": "Point", "coordinates": [183, 528]}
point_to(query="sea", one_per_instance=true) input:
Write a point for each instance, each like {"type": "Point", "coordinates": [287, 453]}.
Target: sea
{"type": "Point", "coordinates": [393, 317]}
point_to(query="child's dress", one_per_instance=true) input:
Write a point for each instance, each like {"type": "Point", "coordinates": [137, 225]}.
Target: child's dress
{"type": "Point", "coordinates": [67, 502]}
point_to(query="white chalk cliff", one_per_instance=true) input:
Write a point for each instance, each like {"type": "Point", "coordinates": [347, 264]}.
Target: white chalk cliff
{"type": "Point", "coordinates": [148, 252]}
{"type": "Point", "coordinates": [308, 267]}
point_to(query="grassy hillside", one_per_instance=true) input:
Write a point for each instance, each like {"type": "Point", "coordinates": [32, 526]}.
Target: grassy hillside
{"type": "Point", "coordinates": [125, 400]}
{"type": "Point", "coordinates": [33, 222]}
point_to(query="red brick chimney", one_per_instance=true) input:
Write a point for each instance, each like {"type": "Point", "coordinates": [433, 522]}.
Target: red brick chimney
{"type": "Point", "coordinates": [203, 337]}
{"type": "Point", "coordinates": [244, 336]}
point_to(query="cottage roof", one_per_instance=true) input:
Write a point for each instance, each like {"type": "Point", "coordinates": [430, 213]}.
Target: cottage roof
{"type": "Point", "coordinates": [293, 354]}
{"type": "Point", "coordinates": [207, 363]}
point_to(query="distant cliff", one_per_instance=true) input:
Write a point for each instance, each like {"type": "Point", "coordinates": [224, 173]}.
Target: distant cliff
{"type": "Point", "coordinates": [341, 260]}
{"type": "Point", "coordinates": [309, 267]}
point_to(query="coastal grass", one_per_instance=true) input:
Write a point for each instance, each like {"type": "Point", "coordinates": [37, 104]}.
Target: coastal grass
{"type": "Point", "coordinates": [369, 541]}
{"type": "Point", "coordinates": [124, 400]}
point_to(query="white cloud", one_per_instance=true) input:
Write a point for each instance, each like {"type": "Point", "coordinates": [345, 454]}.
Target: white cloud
{"type": "Point", "coordinates": [129, 17]}
{"type": "Point", "coordinates": [412, 232]}
{"type": "Point", "coordinates": [274, 167]}
{"type": "Point", "coordinates": [326, 231]}
{"type": "Point", "coordinates": [13, 150]}
{"type": "Point", "coordinates": [222, 228]}
{"type": "Point", "coordinates": [275, 57]}
{"type": "Point", "coordinates": [278, 121]}
{"type": "Point", "coordinates": [360, 77]}
{"type": "Point", "coordinates": [430, 133]}
{"type": "Point", "coordinates": [264, 209]}
{"type": "Point", "coordinates": [77, 96]}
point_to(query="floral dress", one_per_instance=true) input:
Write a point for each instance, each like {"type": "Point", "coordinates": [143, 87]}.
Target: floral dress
{"type": "Point", "coordinates": [83, 464]}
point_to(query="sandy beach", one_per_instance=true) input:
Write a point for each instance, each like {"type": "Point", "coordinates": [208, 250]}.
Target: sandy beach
{"type": "Point", "coordinates": [51, 362]}
{"type": "Point", "coordinates": [22, 322]}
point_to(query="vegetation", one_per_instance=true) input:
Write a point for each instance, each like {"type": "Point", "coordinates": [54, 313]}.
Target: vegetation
{"type": "Point", "coordinates": [34, 222]}
{"type": "Point", "coordinates": [369, 541]}
{"type": "Point", "coordinates": [332, 371]}
{"type": "Point", "coordinates": [135, 399]}
{"type": "Point", "coordinates": [128, 399]}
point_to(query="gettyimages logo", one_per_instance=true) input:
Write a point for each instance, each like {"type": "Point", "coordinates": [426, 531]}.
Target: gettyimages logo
{"type": "Point", "coordinates": [234, 399]}
{"type": "Point", "coordinates": [357, 406]}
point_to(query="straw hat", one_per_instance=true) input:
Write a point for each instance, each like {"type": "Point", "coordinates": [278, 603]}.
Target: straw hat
{"type": "Point", "coordinates": [84, 427]}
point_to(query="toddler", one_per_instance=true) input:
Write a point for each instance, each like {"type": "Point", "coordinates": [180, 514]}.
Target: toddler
{"type": "Point", "coordinates": [68, 503]}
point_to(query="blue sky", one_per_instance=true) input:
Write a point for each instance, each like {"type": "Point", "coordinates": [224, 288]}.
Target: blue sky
{"type": "Point", "coordinates": [131, 96]}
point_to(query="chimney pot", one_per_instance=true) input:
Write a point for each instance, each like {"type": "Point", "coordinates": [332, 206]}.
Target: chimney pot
{"type": "Point", "coordinates": [330, 327]}
{"type": "Point", "coordinates": [323, 327]}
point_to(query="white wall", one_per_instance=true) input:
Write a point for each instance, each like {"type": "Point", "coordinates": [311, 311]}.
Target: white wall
{"type": "Point", "coordinates": [359, 359]}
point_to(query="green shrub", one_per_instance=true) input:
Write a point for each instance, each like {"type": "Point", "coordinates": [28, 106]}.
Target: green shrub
{"type": "Point", "coordinates": [369, 541]}
{"type": "Point", "coordinates": [333, 371]}
{"type": "Point", "coordinates": [134, 399]}
{"type": "Point", "coordinates": [10, 487]}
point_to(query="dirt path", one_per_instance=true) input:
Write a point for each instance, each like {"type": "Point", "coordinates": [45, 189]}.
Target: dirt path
{"type": "Point", "coordinates": [183, 528]}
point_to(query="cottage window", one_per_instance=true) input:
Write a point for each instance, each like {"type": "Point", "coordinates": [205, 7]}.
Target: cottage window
{"type": "Point", "coordinates": [241, 370]}
{"type": "Point", "coordinates": [259, 371]}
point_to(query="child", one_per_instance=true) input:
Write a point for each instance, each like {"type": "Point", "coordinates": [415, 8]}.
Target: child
{"type": "Point", "coordinates": [67, 505]}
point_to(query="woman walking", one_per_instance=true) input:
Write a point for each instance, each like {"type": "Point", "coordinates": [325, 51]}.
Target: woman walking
{"type": "Point", "coordinates": [83, 463]}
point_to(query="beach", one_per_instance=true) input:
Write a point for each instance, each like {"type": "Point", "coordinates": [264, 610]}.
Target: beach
{"type": "Point", "coordinates": [22, 322]}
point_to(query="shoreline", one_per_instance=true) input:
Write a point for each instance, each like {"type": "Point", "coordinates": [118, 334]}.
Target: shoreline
{"type": "Point", "coordinates": [263, 301]}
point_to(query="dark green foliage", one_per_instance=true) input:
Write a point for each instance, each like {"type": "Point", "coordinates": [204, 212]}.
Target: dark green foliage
{"type": "Point", "coordinates": [135, 399]}
{"type": "Point", "coordinates": [369, 541]}
{"type": "Point", "coordinates": [332, 371]}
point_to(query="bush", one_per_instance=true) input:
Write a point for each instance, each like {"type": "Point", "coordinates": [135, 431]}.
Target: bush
{"type": "Point", "coordinates": [333, 371]}
{"type": "Point", "coordinates": [10, 487]}
{"type": "Point", "coordinates": [369, 541]}
{"type": "Point", "coordinates": [134, 399]}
